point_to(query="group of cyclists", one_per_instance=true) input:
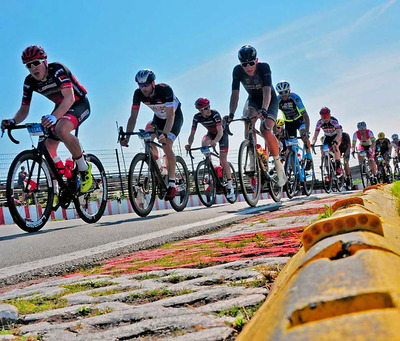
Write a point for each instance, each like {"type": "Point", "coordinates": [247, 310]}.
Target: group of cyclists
{"type": "Point", "coordinates": [56, 82]}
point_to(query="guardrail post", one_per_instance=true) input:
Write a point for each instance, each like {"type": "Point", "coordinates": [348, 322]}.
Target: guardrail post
{"type": "Point", "coordinates": [119, 171]}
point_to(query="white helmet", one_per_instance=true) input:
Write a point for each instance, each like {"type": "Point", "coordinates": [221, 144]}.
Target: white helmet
{"type": "Point", "coordinates": [283, 86]}
{"type": "Point", "coordinates": [145, 76]}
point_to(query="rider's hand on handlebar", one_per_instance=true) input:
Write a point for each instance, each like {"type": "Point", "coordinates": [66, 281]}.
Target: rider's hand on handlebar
{"type": "Point", "coordinates": [262, 112]}
{"type": "Point", "coordinates": [124, 142]}
{"type": "Point", "coordinates": [162, 139]}
{"type": "Point", "coordinates": [6, 123]}
{"type": "Point", "coordinates": [187, 147]}
{"type": "Point", "coordinates": [213, 143]}
{"type": "Point", "coordinates": [48, 121]}
{"type": "Point", "coordinates": [230, 118]}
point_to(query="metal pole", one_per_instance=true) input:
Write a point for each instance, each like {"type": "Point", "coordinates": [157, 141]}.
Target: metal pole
{"type": "Point", "coordinates": [119, 172]}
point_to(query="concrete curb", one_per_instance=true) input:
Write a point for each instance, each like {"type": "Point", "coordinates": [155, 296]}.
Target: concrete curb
{"type": "Point", "coordinates": [345, 284]}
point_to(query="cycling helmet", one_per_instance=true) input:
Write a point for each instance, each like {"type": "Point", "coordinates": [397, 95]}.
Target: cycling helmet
{"type": "Point", "coordinates": [381, 135]}
{"type": "Point", "coordinates": [325, 111]}
{"type": "Point", "coordinates": [361, 125]}
{"type": "Point", "coordinates": [395, 137]}
{"type": "Point", "coordinates": [280, 122]}
{"type": "Point", "coordinates": [202, 103]}
{"type": "Point", "coordinates": [247, 53]}
{"type": "Point", "coordinates": [33, 52]}
{"type": "Point", "coordinates": [145, 76]}
{"type": "Point", "coordinates": [282, 86]}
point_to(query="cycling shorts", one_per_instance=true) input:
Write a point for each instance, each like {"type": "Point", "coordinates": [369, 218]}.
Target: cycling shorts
{"type": "Point", "coordinates": [292, 126]}
{"type": "Point", "coordinates": [223, 142]}
{"type": "Point", "coordinates": [370, 151]}
{"type": "Point", "coordinates": [255, 104]}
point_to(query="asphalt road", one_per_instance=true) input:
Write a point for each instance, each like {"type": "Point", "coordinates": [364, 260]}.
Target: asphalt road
{"type": "Point", "coordinates": [63, 246]}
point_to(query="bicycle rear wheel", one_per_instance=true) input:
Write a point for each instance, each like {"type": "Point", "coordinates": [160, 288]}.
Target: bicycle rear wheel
{"type": "Point", "coordinates": [141, 185]}
{"type": "Point", "coordinates": [274, 190]}
{"type": "Point", "coordinates": [234, 184]}
{"type": "Point", "coordinates": [380, 175]}
{"type": "Point", "coordinates": [339, 182]}
{"type": "Point", "coordinates": [389, 174]}
{"type": "Point", "coordinates": [92, 204]}
{"type": "Point", "coordinates": [292, 176]}
{"type": "Point", "coordinates": [396, 172]}
{"type": "Point", "coordinates": [326, 173]}
{"type": "Point", "coordinates": [182, 185]}
{"type": "Point", "coordinates": [206, 183]}
{"type": "Point", "coordinates": [30, 201]}
{"type": "Point", "coordinates": [249, 173]}
{"type": "Point", "coordinates": [309, 179]}
{"type": "Point", "coordinates": [365, 177]}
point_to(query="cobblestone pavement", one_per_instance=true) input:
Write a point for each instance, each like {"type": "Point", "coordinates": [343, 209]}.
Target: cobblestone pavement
{"type": "Point", "coordinates": [203, 288]}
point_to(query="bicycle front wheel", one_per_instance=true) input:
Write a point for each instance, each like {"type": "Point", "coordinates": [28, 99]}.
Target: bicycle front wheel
{"type": "Point", "coordinates": [364, 173]}
{"type": "Point", "coordinates": [206, 183]}
{"type": "Point", "coordinates": [309, 179]}
{"type": "Point", "coordinates": [292, 176]}
{"type": "Point", "coordinates": [141, 185]}
{"type": "Point", "coordinates": [326, 173]}
{"type": "Point", "coordinates": [91, 205]}
{"type": "Point", "coordinates": [396, 172]}
{"type": "Point", "coordinates": [389, 174]}
{"type": "Point", "coordinates": [182, 185]}
{"type": "Point", "coordinates": [234, 184]}
{"type": "Point", "coordinates": [249, 173]}
{"type": "Point", "coordinates": [29, 198]}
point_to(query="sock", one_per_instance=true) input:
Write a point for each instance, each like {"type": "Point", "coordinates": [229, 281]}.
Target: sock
{"type": "Point", "coordinates": [55, 186]}
{"type": "Point", "coordinates": [171, 182]}
{"type": "Point", "coordinates": [81, 163]}
{"type": "Point", "coordinates": [308, 155]}
{"type": "Point", "coordinates": [229, 183]}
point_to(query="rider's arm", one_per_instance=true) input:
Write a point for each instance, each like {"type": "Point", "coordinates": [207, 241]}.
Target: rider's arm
{"type": "Point", "coordinates": [314, 139]}
{"type": "Point", "coordinates": [130, 126]}
{"type": "Point", "coordinates": [191, 137]}
{"type": "Point", "coordinates": [220, 132]}
{"type": "Point", "coordinates": [354, 141]}
{"type": "Point", "coordinates": [307, 121]}
{"type": "Point", "coordinates": [234, 101]}
{"type": "Point", "coordinates": [266, 97]}
{"type": "Point", "coordinates": [66, 104]}
{"type": "Point", "coordinates": [21, 114]}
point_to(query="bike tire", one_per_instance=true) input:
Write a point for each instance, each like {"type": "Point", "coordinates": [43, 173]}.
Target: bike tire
{"type": "Point", "coordinates": [30, 218]}
{"type": "Point", "coordinates": [182, 184]}
{"type": "Point", "coordinates": [141, 185]}
{"type": "Point", "coordinates": [292, 176]}
{"type": "Point", "coordinates": [365, 177]}
{"type": "Point", "coordinates": [249, 173]}
{"type": "Point", "coordinates": [206, 183]}
{"type": "Point", "coordinates": [274, 190]}
{"type": "Point", "coordinates": [309, 179]}
{"type": "Point", "coordinates": [91, 205]}
{"type": "Point", "coordinates": [326, 174]}
{"type": "Point", "coordinates": [340, 180]}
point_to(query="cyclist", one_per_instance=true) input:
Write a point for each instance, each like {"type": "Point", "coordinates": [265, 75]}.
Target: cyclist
{"type": "Point", "coordinates": [344, 148]}
{"type": "Point", "coordinates": [282, 136]}
{"type": "Point", "coordinates": [211, 120]}
{"type": "Point", "coordinates": [167, 119]}
{"type": "Point", "coordinates": [294, 115]}
{"type": "Point", "coordinates": [367, 143]}
{"type": "Point", "coordinates": [384, 147]}
{"type": "Point", "coordinates": [395, 147]}
{"type": "Point", "coordinates": [56, 82]}
{"type": "Point", "coordinates": [261, 102]}
{"type": "Point", "coordinates": [332, 134]}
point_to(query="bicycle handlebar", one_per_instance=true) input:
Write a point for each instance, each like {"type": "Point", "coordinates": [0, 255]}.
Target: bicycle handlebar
{"type": "Point", "coordinates": [198, 148]}
{"type": "Point", "coordinates": [21, 126]}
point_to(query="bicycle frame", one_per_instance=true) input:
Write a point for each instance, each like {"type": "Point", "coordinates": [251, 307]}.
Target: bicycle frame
{"type": "Point", "coordinates": [293, 144]}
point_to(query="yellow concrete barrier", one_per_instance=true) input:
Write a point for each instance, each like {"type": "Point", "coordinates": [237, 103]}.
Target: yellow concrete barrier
{"type": "Point", "coordinates": [345, 287]}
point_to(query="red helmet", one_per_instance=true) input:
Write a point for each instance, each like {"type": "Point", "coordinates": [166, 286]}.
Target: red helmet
{"type": "Point", "coordinates": [33, 52]}
{"type": "Point", "coordinates": [324, 111]}
{"type": "Point", "coordinates": [202, 103]}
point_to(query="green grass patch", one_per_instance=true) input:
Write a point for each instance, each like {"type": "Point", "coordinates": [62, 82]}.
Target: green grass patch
{"type": "Point", "coordinates": [89, 312]}
{"type": "Point", "coordinates": [242, 315]}
{"type": "Point", "coordinates": [73, 288]}
{"type": "Point", "coordinates": [396, 193]}
{"type": "Point", "coordinates": [109, 292]}
{"type": "Point", "coordinates": [155, 295]}
{"type": "Point", "coordinates": [328, 212]}
{"type": "Point", "coordinates": [37, 304]}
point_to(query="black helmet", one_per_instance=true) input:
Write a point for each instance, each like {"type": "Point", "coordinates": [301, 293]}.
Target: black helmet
{"type": "Point", "coordinates": [247, 53]}
{"type": "Point", "coordinates": [145, 76]}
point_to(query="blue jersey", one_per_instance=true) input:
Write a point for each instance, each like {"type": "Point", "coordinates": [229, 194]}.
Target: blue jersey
{"type": "Point", "coordinates": [292, 108]}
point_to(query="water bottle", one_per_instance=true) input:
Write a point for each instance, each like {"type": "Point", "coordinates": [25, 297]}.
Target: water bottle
{"type": "Point", "coordinates": [59, 165]}
{"type": "Point", "coordinates": [69, 166]}
{"type": "Point", "coordinates": [264, 162]}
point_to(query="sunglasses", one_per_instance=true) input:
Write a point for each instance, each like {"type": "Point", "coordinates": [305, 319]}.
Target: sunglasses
{"type": "Point", "coordinates": [278, 127]}
{"type": "Point", "coordinates": [251, 63]}
{"type": "Point", "coordinates": [143, 85]}
{"type": "Point", "coordinates": [35, 63]}
{"type": "Point", "coordinates": [205, 108]}
{"type": "Point", "coordinates": [283, 92]}
{"type": "Point", "coordinates": [325, 116]}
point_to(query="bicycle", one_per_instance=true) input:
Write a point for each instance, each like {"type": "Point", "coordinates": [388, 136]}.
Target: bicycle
{"type": "Point", "coordinates": [396, 170]}
{"type": "Point", "coordinates": [331, 181]}
{"type": "Point", "coordinates": [145, 179]}
{"type": "Point", "coordinates": [208, 182]}
{"type": "Point", "coordinates": [384, 171]}
{"type": "Point", "coordinates": [367, 177]}
{"type": "Point", "coordinates": [256, 171]}
{"type": "Point", "coordinates": [348, 179]}
{"type": "Point", "coordinates": [32, 203]}
{"type": "Point", "coordinates": [295, 169]}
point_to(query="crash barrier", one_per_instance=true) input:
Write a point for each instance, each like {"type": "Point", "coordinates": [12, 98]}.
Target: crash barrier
{"type": "Point", "coordinates": [344, 283]}
{"type": "Point", "coordinates": [122, 206]}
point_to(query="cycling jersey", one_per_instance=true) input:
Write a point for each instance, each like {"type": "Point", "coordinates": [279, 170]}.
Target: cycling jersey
{"type": "Point", "coordinates": [364, 140]}
{"type": "Point", "coordinates": [210, 123]}
{"type": "Point", "coordinates": [163, 98]}
{"type": "Point", "coordinates": [58, 77]}
{"type": "Point", "coordinates": [292, 108]}
{"type": "Point", "coordinates": [396, 145]}
{"type": "Point", "coordinates": [254, 84]}
{"type": "Point", "coordinates": [345, 143]}
{"type": "Point", "coordinates": [383, 145]}
{"type": "Point", "coordinates": [328, 128]}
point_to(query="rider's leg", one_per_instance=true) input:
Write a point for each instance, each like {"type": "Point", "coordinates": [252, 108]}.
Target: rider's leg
{"type": "Point", "coordinates": [167, 148]}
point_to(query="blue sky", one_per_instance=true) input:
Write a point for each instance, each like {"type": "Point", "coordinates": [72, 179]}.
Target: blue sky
{"type": "Point", "coordinates": [340, 54]}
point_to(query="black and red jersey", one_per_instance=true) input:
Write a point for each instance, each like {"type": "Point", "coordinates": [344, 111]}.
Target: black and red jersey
{"type": "Point", "coordinates": [328, 128]}
{"type": "Point", "coordinates": [210, 123]}
{"type": "Point", "coordinates": [58, 77]}
{"type": "Point", "coordinates": [253, 84]}
{"type": "Point", "coordinates": [163, 97]}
